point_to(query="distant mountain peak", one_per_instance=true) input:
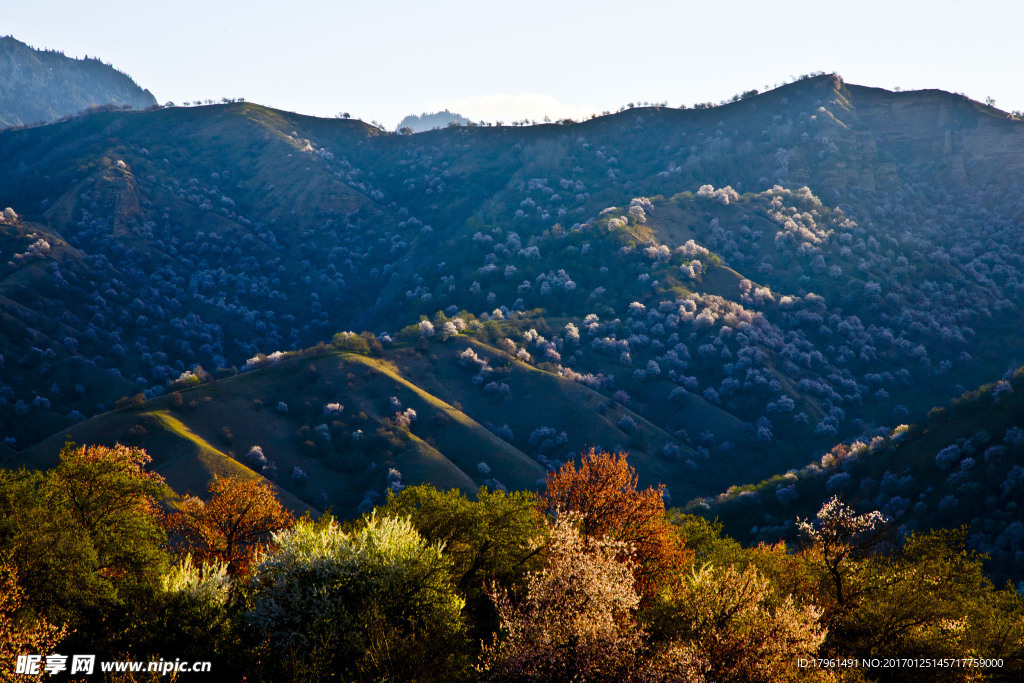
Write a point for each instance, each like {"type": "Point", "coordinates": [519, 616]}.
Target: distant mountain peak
{"type": "Point", "coordinates": [425, 121]}
{"type": "Point", "coordinates": [40, 86]}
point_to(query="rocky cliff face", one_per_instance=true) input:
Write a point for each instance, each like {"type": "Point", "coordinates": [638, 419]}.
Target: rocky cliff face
{"type": "Point", "coordinates": [40, 86]}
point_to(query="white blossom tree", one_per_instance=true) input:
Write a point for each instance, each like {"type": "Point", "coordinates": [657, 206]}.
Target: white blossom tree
{"type": "Point", "coordinates": [576, 621]}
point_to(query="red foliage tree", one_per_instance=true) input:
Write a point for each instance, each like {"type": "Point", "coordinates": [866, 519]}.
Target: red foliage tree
{"type": "Point", "coordinates": [233, 524]}
{"type": "Point", "coordinates": [603, 492]}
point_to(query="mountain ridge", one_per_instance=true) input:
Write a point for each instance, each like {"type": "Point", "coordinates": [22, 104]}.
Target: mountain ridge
{"type": "Point", "coordinates": [43, 86]}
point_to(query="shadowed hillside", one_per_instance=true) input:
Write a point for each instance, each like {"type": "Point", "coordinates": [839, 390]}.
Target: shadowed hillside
{"type": "Point", "coordinates": [964, 464]}
{"type": "Point", "coordinates": [40, 86]}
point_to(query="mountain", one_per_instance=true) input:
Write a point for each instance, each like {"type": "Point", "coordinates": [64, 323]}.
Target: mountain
{"type": "Point", "coordinates": [425, 122]}
{"type": "Point", "coordinates": [40, 86]}
{"type": "Point", "coordinates": [725, 292]}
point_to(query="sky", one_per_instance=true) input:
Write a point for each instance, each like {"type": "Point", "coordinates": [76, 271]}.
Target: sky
{"type": "Point", "coordinates": [507, 60]}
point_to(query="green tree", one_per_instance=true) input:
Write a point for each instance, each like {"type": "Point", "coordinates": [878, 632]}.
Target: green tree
{"type": "Point", "coordinates": [192, 615]}
{"type": "Point", "coordinates": [495, 539]}
{"type": "Point", "coordinates": [730, 626]}
{"type": "Point", "coordinates": [85, 536]}
{"type": "Point", "coordinates": [373, 604]}
{"type": "Point", "coordinates": [705, 540]}
{"type": "Point", "coordinates": [931, 599]}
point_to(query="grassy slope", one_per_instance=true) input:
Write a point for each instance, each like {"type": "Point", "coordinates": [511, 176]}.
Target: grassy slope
{"type": "Point", "coordinates": [184, 459]}
{"type": "Point", "coordinates": [189, 443]}
{"type": "Point", "coordinates": [465, 441]}
{"type": "Point", "coordinates": [541, 398]}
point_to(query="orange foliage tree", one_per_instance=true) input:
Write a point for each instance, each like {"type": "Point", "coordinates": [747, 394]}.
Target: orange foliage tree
{"type": "Point", "coordinates": [233, 524]}
{"type": "Point", "coordinates": [18, 635]}
{"type": "Point", "coordinates": [603, 492]}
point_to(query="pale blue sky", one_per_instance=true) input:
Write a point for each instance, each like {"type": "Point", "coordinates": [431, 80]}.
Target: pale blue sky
{"type": "Point", "coordinates": [387, 58]}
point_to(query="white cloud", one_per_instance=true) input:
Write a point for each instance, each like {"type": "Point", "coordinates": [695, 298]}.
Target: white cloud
{"type": "Point", "coordinates": [509, 108]}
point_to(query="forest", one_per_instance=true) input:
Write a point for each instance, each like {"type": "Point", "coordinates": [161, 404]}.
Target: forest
{"type": "Point", "coordinates": [591, 580]}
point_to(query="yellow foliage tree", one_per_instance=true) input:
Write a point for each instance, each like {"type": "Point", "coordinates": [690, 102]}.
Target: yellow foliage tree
{"type": "Point", "coordinates": [19, 634]}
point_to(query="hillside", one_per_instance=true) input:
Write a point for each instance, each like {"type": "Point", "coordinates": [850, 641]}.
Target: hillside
{"type": "Point", "coordinates": [726, 292]}
{"type": "Point", "coordinates": [333, 429]}
{"type": "Point", "coordinates": [40, 86]}
{"type": "Point", "coordinates": [964, 464]}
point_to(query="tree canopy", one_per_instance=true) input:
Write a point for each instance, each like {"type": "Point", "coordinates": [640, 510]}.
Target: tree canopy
{"type": "Point", "coordinates": [603, 492]}
{"type": "Point", "coordinates": [233, 524]}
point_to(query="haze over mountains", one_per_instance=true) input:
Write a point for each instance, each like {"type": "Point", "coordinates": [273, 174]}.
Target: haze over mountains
{"type": "Point", "coordinates": [425, 122]}
{"type": "Point", "coordinates": [39, 86]}
{"type": "Point", "coordinates": [725, 292]}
